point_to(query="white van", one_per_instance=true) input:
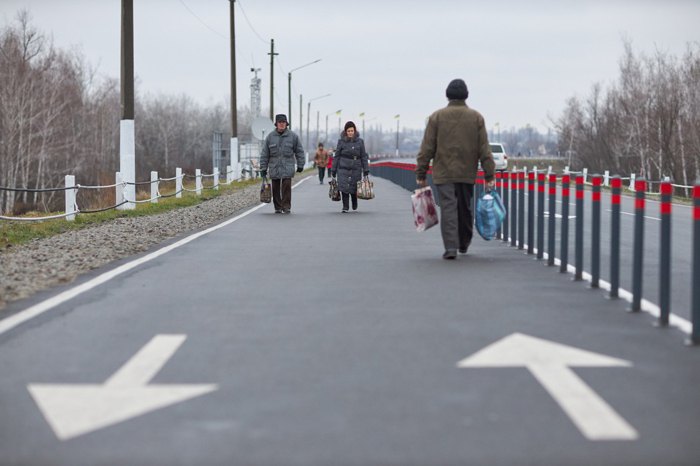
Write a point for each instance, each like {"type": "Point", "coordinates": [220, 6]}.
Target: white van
{"type": "Point", "coordinates": [499, 155]}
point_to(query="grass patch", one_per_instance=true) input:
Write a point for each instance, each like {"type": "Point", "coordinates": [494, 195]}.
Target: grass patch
{"type": "Point", "coordinates": [14, 233]}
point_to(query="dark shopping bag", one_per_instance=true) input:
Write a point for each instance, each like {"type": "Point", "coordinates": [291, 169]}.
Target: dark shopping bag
{"type": "Point", "coordinates": [424, 209]}
{"type": "Point", "coordinates": [333, 191]}
{"type": "Point", "coordinates": [265, 191]}
{"type": "Point", "coordinates": [490, 213]}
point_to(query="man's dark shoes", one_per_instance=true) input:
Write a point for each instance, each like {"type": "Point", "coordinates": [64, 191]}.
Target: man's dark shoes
{"type": "Point", "coordinates": [345, 210]}
{"type": "Point", "coordinates": [450, 254]}
{"type": "Point", "coordinates": [286, 211]}
{"type": "Point", "coordinates": [463, 250]}
{"type": "Point", "coordinates": [278, 211]}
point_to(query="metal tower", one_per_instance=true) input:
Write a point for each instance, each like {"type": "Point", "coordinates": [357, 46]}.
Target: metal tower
{"type": "Point", "coordinates": [255, 93]}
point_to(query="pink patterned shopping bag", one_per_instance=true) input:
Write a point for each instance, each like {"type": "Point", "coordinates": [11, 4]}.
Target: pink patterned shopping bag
{"type": "Point", "coordinates": [424, 210]}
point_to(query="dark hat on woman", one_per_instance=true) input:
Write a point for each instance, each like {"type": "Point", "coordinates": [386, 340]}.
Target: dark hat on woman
{"type": "Point", "coordinates": [457, 89]}
{"type": "Point", "coordinates": [350, 124]}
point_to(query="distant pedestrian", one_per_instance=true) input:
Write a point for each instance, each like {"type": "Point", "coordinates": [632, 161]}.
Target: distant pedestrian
{"type": "Point", "coordinates": [321, 161]}
{"type": "Point", "coordinates": [281, 152]}
{"type": "Point", "coordinates": [331, 154]}
{"type": "Point", "coordinates": [455, 140]}
{"type": "Point", "coordinates": [350, 163]}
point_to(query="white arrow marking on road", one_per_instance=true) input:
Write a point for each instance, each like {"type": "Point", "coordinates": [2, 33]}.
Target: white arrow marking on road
{"type": "Point", "coordinates": [549, 362]}
{"type": "Point", "coordinates": [74, 410]}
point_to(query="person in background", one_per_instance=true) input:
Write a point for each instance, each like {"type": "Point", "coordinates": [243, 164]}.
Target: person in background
{"type": "Point", "coordinates": [281, 152]}
{"type": "Point", "coordinates": [350, 163]}
{"type": "Point", "coordinates": [331, 154]}
{"type": "Point", "coordinates": [455, 140]}
{"type": "Point", "coordinates": [321, 161]}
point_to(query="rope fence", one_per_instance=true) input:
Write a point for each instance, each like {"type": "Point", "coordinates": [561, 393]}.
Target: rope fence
{"type": "Point", "coordinates": [72, 189]}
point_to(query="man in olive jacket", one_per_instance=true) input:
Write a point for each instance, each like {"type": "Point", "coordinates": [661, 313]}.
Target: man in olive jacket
{"type": "Point", "coordinates": [455, 140]}
{"type": "Point", "coordinates": [280, 149]}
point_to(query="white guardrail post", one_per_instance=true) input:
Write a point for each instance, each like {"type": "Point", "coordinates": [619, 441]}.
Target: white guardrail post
{"type": "Point", "coordinates": [633, 178]}
{"type": "Point", "coordinates": [178, 182]}
{"type": "Point", "coordinates": [198, 181]}
{"type": "Point", "coordinates": [216, 178]}
{"type": "Point", "coordinates": [585, 175]}
{"type": "Point", "coordinates": [154, 187]}
{"type": "Point", "coordinates": [70, 197]}
{"type": "Point", "coordinates": [606, 178]}
{"type": "Point", "coordinates": [229, 174]}
{"type": "Point", "coordinates": [119, 190]}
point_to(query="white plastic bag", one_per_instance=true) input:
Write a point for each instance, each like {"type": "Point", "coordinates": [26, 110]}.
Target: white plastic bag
{"type": "Point", "coordinates": [424, 209]}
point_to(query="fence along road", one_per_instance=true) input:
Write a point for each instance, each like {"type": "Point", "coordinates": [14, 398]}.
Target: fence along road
{"type": "Point", "coordinates": [680, 248]}
{"type": "Point", "coordinates": [320, 337]}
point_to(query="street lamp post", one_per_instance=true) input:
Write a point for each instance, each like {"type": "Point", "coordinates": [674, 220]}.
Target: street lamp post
{"type": "Point", "coordinates": [308, 115]}
{"type": "Point", "coordinates": [337, 113]}
{"type": "Point", "coordinates": [362, 115]}
{"type": "Point", "coordinates": [289, 88]}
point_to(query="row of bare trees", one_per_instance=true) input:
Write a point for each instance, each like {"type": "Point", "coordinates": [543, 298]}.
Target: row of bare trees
{"type": "Point", "coordinates": [647, 122]}
{"type": "Point", "coordinates": [57, 117]}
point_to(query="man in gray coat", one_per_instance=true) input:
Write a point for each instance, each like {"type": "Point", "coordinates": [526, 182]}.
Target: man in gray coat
{"type": "Point", "coordinates": [455, 140]}
{"type": "Point", "coordinates": [281, 152]}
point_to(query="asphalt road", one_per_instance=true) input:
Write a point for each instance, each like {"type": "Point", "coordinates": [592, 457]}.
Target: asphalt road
{"type": "Point", "coordinates": [328, 338]}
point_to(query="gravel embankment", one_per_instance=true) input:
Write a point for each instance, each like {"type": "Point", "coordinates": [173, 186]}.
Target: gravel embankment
{"type": "Point", "coordinates": [44, 263]}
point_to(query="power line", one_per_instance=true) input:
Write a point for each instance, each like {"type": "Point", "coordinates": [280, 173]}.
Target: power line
{"type": "Point", "coordinates": [202, 21]}
{"type": "Point", "coordinates": [240, 5]}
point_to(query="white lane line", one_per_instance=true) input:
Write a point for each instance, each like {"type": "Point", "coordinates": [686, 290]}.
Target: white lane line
{"type": "Point", "coordinates": [38, 309]}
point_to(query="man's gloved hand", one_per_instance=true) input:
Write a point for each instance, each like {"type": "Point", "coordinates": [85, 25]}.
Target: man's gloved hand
{"type": "Point", "coordinates": [263, 173]}
{"type": "Point", "coordinates": [490, 185]}
{"type": "Point", "coordinates": [333, 174]}
{"type": "Point", "coordinates": [300, 169]}
{"type": "Point", "coordinates": [421, 182]}
{"type": "Point", "coordinates": [365, 174]}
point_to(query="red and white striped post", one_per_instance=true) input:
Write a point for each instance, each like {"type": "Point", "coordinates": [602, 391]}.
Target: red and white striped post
{"type": "Point", "coordinates": [640, 187]}
{"type": "Point", "coordinates": [504, 229]}
{"type": "Point", "coordinates": [530, 212]}
{"type": "Point", "coordinates": [513, 208]}
{"type": "Point", "coordinates": [616, 184]}
{"type": "Point", "coordinates": [695, 334]}
{"type": "Point", "coordinates": [521, 209]}
{"type": "Point", "coordinates": [500, 193]}
{"type": "Point", "coordinates": [552, 218]}
{"type": "Point", "coordinates": [595, 231]}
{"type": "Point", "coordinates": [665, 254]}
{"type": "Point", "coordinates": [541, 179]}
{"type": "Point", "coordinates": [564, 243]}
{"type": "Point", "coordinates": [578, 247]}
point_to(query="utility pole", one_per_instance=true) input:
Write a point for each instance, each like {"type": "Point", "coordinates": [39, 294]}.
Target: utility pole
{"type": "Point", "coordinates": [272, 78]}
{"type": "Point", "coordinates": [234, 104]}
{"type": "Point", "coordinates": [127, 142]}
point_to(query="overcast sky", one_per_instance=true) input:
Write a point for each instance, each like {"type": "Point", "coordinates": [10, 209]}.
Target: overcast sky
{"type": "Point", "coordinates": [521, 59]}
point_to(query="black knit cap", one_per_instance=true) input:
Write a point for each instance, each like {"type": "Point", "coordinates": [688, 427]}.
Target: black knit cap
{"type": "Point", "coordinates": [350, 124]}
{"type": "Point", "coordinates": [457, 89]}
{"type": "Point", "coordinates": [280, 117]}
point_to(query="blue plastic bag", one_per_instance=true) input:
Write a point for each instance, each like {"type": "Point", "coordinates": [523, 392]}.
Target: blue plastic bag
{"type": "Point", "coordinates": [490, 213]}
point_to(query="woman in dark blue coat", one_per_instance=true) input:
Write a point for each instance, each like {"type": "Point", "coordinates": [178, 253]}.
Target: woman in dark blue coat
{"type": "Point", "coordinates": [350, 163]}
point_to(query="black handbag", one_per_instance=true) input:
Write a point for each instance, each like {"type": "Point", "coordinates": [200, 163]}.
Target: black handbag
{"type": "Point", "coordinates": [333, 191]}
{"type": "Point", "coordinates": [265, 191]}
